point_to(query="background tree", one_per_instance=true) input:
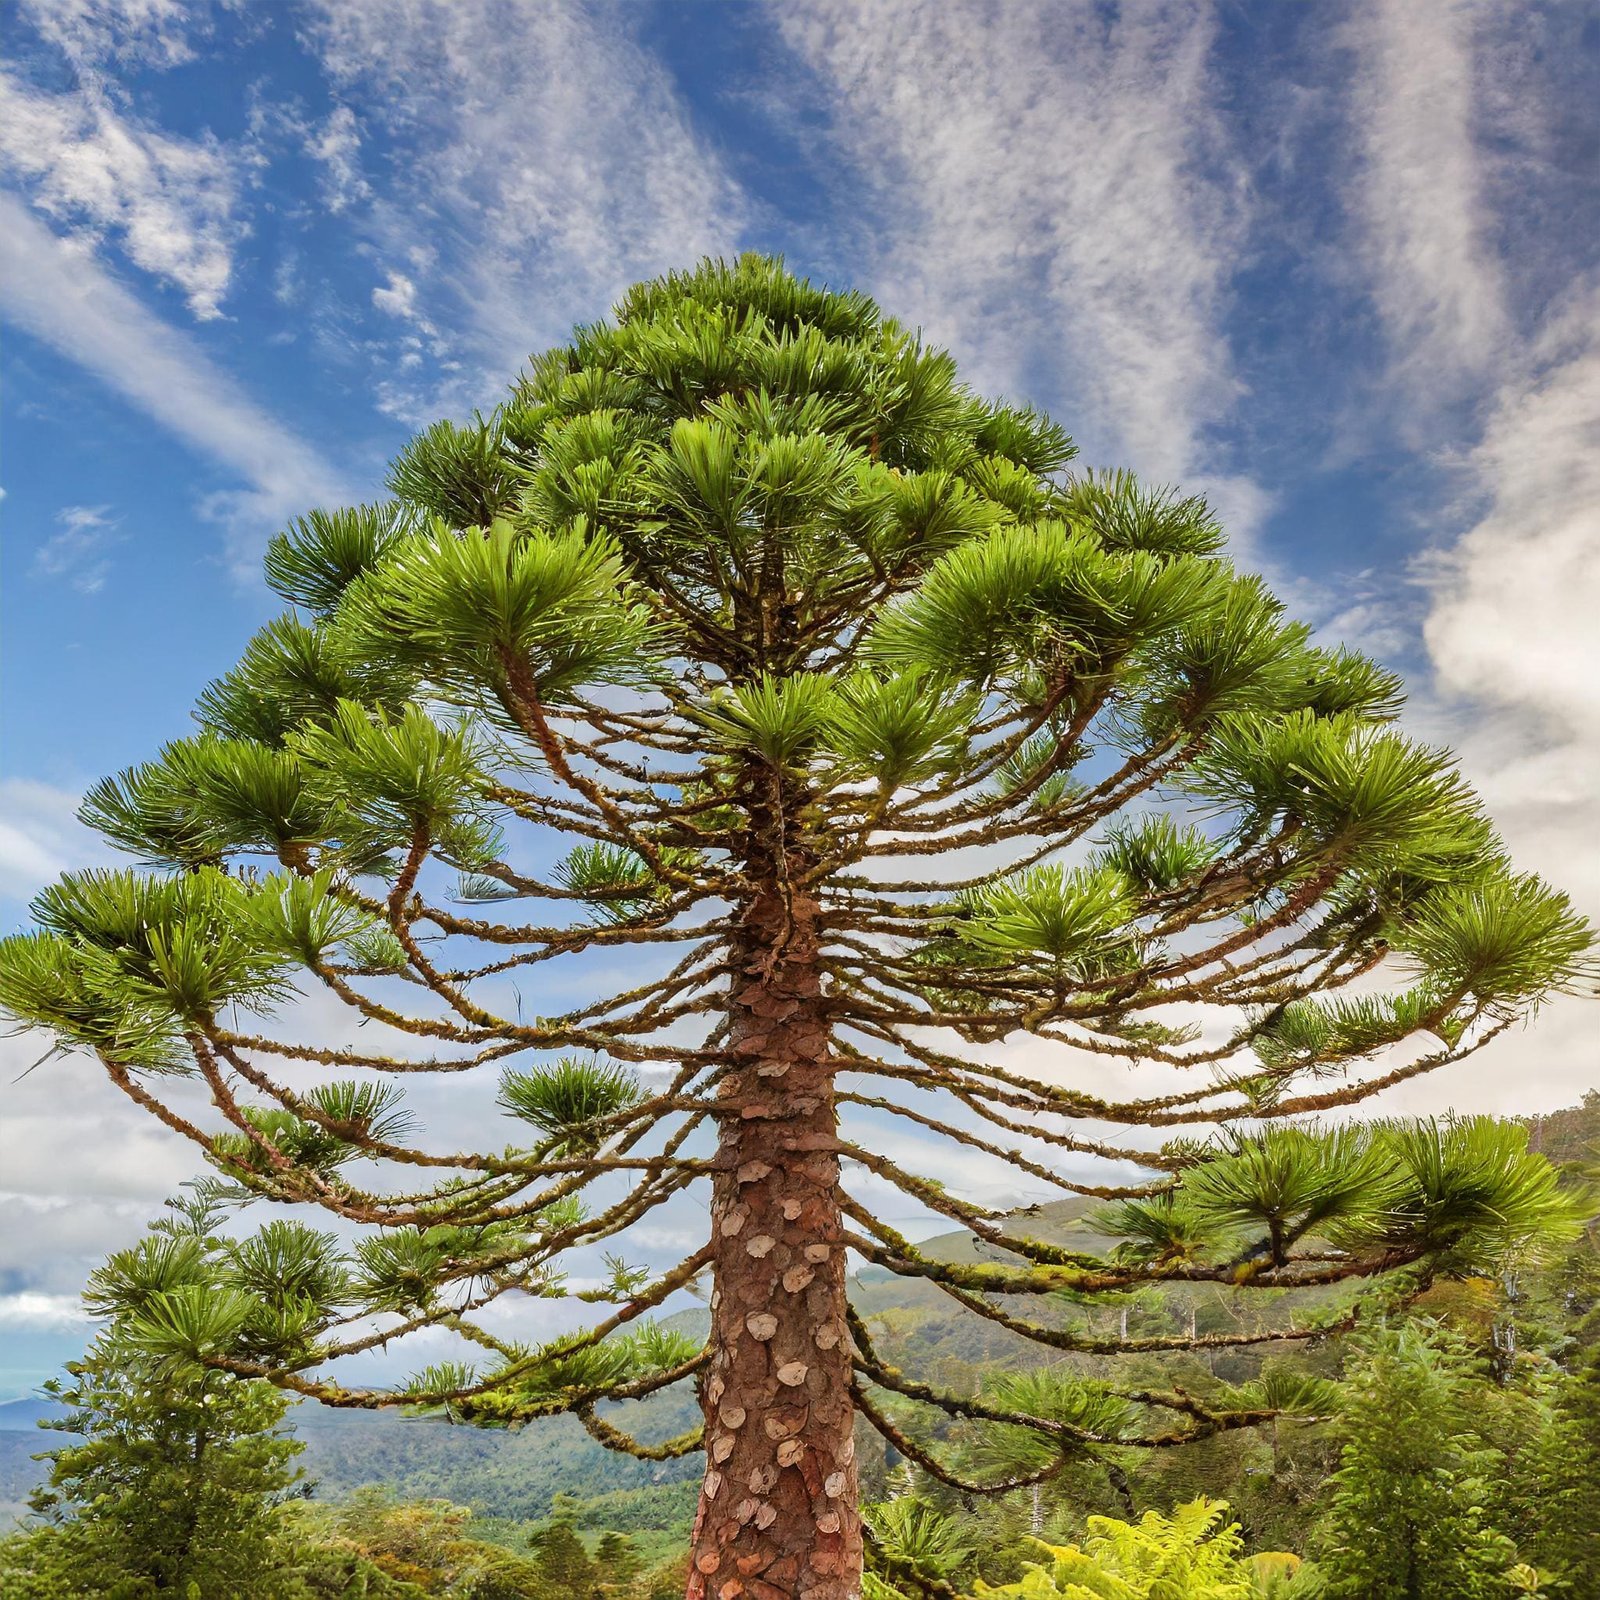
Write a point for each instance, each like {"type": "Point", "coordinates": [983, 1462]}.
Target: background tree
{"type": "Point", "coordinates": [1407, 1519]}
{"type": "Point", "coordinates": [563, 1560]}
{"type": "Point", "coordinates": [1570, 1502]}
{"type": "Point", "coordinates": [179, 1483]}
{"type": "Point", "coordinates": [617, 1561]}
{"type": "Point", "coordinates": [925, 785]}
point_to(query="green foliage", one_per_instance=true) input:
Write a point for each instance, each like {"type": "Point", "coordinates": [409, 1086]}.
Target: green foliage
{"type": "Point", "coordinates": [1076, 920]}
{"type": "Point", "coordinates": [1473, 1192]}
{"type": "Point", "coordinates": [563, 1561]}
{"type": "Point", "coordinates": [292, 673]}
{"type": "Point", "coordinates": [374, 1545]}
{"type": "Point", "coordinates": [912, 1537]}
{"type": "Point", "coordinates": [1406, 1517]}
{"type": "Point", "coordinates": [397, 780]}
{"type": "Point", "coordinates": [1051, 1394]}
{"type": "Point", "coordinates": [204, 797]}
{"type": "Point", "coordinates": [1308, 1033]}
{"type": "Point", "coordinates": [1040, 596]}
{"type": "Point", "coordinates": [1288, 1182]}
{"type": "Point", "coordinates": [899, 729]}
{"type": "Point", "coordinates": [564, 1100]}
{"type": "Point", "coordinates": [616, 1559]}
{"type": "Point", "coordinates": [324, 552]}
{"type": "Point", "coordinates": [1165, 1228]}
{"type": "Point", "coordinates": [177, 1487]}
{"type": "Point", "coordinates": [615, 878]}
{"type": "Point", "coordinates": [1461, 1193]}
{"type": "Point", "coordinates": [1569, 1541]}
{"type": "Point", "coordinates": [1497, 939]}
{"type": "Point", "coordinates": [781, 720]}
{"type": "Point", "coordinates": [1156, 853]}
{"type": "Point", "coordinates": [1123, 514]}
{"type": "Point", "coordinates": [126, 960]}
{"type": "Point", "coordinates": [463, 475]}
{"type": "Point", "coordinates": [459, 609]}
{"type": "Point", "coordinates": [1190, 1556]}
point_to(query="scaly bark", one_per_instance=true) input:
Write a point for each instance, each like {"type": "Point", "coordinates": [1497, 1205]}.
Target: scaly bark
{"type": "Point", "coordinates": [779, 1514]}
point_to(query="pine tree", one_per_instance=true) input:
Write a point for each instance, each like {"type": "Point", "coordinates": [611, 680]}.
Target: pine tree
{"type": "Point", "coordinates": [1406, 1519]}
{"type": "Point", "coordinates": [564, 1564]}
{"type": "Point", "coordinates": [1570, 1504]}
{"type": "Point", "coordinates": [617, 1559]}
{"type": "Point", "coordinates": [178, 1484]}
{"type": "Point", "coordinates": [745, 643]}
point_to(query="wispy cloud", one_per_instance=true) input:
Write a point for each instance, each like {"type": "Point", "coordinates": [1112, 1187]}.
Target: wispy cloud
{"type": "Point", "coordinates": [77, 551]}
{"type": "Point", "coordinates": [336, 146]}
{"type": "Point", "coordinates": [1502, 388]}
{"type": "Point", "coordinates": [1511, 627]}
{"type": "Point", "coordinates": [1047, 196]}
{"type": "Point", "coordinates": [169, 202]}
{"type": "Point", "coordinates": [60, 295]}
{"type": "Point", "coordinates": [158, 33]}
{"type": "Point", "coordinates": [546, 184]}
{"type": "Point", "coordinates": [1513, 579]}
{"type": "Point", "coordinates": [1419, 192]}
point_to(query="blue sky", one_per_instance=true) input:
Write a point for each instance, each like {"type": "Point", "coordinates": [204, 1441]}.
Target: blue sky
{"type": "Point", "coordinates": [1338, 265]}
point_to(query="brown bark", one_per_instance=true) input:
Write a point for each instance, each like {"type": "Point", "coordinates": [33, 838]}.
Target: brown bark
{"type": "Point", "coordinates": [779, 1514]}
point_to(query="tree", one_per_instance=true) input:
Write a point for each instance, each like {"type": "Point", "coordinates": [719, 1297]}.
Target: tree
{"type": "Point", "coordinates": [745, 642]}
{"type": "Point", "coordinates": [178, 1486]}
{"type": "Point", "coordinates": [563, 1562]}
{"type": "Point", "coordinates": [617, 1560]}
{"type": "Point", "coordinates": [181, 1479]}
{"type": "Point", "coordinates": [1570, 1539]}
{"type": "Point", "coordinates": [374, 1545]}
{"type": "Point", "coordinates": [1406, 1520]}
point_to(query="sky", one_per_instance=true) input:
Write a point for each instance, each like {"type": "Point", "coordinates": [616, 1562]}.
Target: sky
{"type": "Point", "coordinates": [1335, 265]}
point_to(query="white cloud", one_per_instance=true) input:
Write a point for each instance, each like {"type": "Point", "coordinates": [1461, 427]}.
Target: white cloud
{"type": "Point", "coordinates": [169, 201]}
{"type": "Point", "coordinates": [32, 1309]}
{"type": "Point", "coordinates": [336, 146]}
{"type": "Point", "coordinates": [40, 836]}
{"type": "Point", "coordinates": [1515, 616]}
{"type": "Point", "coordinates": [25, 860]}
{"type": "Point", "coordinates": [1046, 196]}
{"type": "Point", "coordinates": [152, 32]}
{"type": "Point", "coordinates": [59, 295]}
{"type": "Point", "coordinates": [78, 1185]}
{"type": "Point", "coordinates": [547, 184]}
{"type": "Point", "coordinates": [77, 552]}
{"type": "Point", "coordinates": [1421, 195]}
{"type": "Point", "coordinates": [398, 297]}
{"type": "Point", "coordinates": [1512, 625]}
{"type": "Point", "coordinates": [1512, 585]}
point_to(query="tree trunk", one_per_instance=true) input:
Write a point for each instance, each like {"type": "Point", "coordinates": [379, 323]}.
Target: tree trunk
{"type": "Point", "coordinates": [779, 1514]}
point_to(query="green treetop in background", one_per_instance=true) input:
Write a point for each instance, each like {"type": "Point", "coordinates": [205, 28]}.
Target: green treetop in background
{"type": "Point", "coordinates": [178, 1481]}
{"type": "Point", "coordinates": [772, 761]}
